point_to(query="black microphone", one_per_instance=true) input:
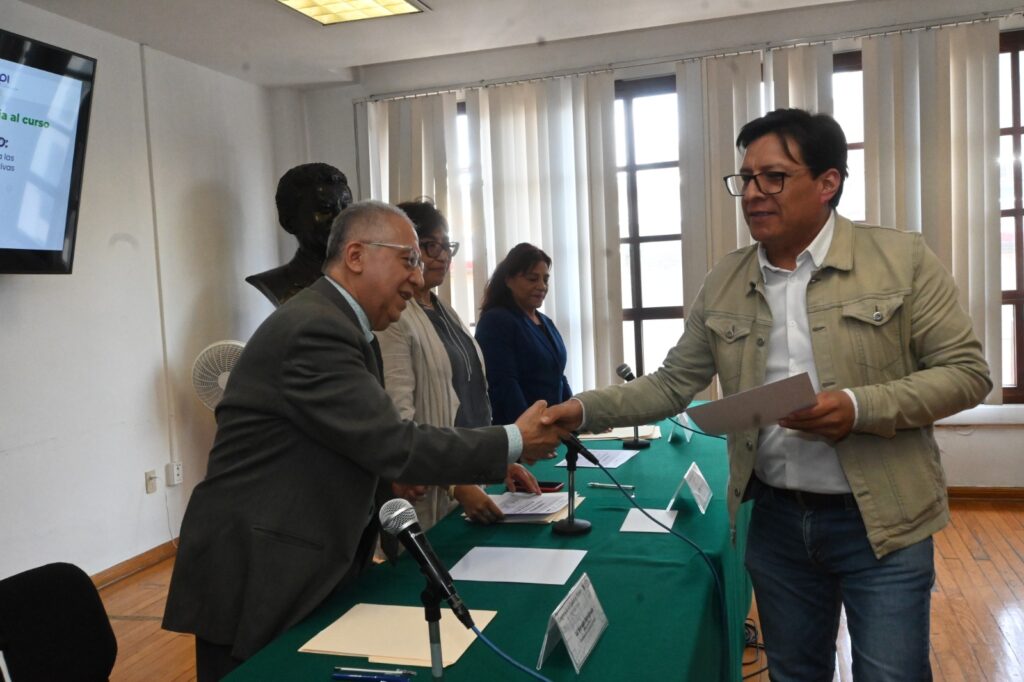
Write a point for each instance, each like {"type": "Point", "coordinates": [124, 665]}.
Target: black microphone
{"type": "Point", "coordinates": [624, 372]}
{"type": "Point", "coordinates": [398, 518]}
{"type": "Point", "coordinates": [572, 442]}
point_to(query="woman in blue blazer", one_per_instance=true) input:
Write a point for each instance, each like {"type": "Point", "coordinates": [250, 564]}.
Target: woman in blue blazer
{"type": "Point", "coordinates": [523, 352]}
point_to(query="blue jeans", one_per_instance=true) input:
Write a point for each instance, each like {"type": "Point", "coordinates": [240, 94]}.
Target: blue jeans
{"type": "Point", "coordinates": [806, 563]}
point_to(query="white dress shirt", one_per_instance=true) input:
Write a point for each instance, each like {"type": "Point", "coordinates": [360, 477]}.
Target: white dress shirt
{"type": "Point", "coordinates": [787, 458]}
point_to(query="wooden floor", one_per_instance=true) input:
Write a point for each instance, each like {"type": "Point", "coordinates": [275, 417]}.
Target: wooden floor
{"type": "Point", "coordinates": [977, 608]}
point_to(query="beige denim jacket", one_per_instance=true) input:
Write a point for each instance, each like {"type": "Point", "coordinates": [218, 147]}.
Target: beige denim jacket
{"type": "Point", "coordinates": [885, 322]}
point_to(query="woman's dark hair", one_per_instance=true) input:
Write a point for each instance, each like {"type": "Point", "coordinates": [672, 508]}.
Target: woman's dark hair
{"type": "Point", "coordinates": [819, 140]}
{"type": "Point", "coordinates": [519, 261]}
{"type": "Point", "coordinates": [424, 216]}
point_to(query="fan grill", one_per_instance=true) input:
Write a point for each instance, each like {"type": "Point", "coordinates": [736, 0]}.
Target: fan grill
{"type": "Point", "coordinates": [211, 369]}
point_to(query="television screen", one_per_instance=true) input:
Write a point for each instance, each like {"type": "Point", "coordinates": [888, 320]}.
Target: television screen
{"type": "Point", "coordinates": [45, 97]}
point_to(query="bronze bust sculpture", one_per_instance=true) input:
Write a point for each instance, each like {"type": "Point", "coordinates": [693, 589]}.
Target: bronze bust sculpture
{"type": "Point", "coordinates": [308, 199]}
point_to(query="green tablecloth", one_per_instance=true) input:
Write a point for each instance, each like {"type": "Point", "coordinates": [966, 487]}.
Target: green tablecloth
{"type": "Point", "coordinates": [657, 591]}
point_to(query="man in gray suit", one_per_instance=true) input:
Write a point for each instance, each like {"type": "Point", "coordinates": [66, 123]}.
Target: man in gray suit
{"type": "Point", "coordinates": [305, 432]}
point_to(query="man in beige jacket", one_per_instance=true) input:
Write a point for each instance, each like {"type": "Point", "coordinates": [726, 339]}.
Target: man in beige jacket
{"type": "Point", "coordinates": [847, 493]}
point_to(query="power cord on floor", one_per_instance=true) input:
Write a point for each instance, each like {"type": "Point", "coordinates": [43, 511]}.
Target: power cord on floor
{"type": "Point", "coordinates": [750, 641]}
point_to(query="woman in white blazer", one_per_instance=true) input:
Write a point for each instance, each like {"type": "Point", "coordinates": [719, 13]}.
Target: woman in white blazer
{"type": "Point", "coordinates": [434, 372]}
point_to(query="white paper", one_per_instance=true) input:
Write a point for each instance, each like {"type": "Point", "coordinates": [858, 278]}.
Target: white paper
{"type": "Point", "coordinates": [698, 486]}
{"type": "Point", "coordinates": [636, 522]}
{"type": "Point", "coordinates": [518, 565]}
{"type": "Point", "coordinates": [756, 408]}
{"type": "Point", "coordinates": [610, 459]}
{"type": "Point", "coordinates": [513, 504]}
{"type": "Point", "coordinates": [647, 432]}
{"type": "Point", "coordinates": [544, 518]}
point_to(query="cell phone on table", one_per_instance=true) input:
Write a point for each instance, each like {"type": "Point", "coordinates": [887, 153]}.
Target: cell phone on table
{"type": "Point", "coordinates": [545, 486]}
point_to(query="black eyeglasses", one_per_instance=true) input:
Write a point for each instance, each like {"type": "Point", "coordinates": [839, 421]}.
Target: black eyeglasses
{"type": "Point", "coordinates": [434, 248]}
{"type": "Point", "coordinates": [768, 182]}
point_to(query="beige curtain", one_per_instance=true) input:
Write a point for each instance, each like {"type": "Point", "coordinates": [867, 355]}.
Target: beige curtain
{"type": "Point", "coordinates": [931, 127]}
{"type": "Point", "coordinates": [408, 146]}
{"type": "Point", "coordinates": [537, 164]}
{"type": "Point", "coordinates": [542, 170]}
{"type": "Point", "coordinates": [799, 77]}
{"type": "Point", "coordinates": [405, 148]}
{"type": "Point", "coordinates": [717, 95]}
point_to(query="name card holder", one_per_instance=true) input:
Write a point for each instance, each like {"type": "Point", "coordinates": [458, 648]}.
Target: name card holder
{"type": "Point", "coordinates": [684, 421]}
{"type": "Point", "coordinates": [694, 479]}
{"type": "Point", "coordinates": [579, 621]}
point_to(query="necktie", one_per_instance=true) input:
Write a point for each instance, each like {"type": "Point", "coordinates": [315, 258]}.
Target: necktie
{"type": "Point", "coordinates": [380, 361]}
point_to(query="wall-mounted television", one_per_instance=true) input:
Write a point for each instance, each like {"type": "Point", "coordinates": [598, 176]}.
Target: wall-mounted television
{"type": "Point", "coordinates": [45, 99]}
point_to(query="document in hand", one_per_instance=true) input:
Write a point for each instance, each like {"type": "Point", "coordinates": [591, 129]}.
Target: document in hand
{"type": "Point", "coordinates": [755, 408]}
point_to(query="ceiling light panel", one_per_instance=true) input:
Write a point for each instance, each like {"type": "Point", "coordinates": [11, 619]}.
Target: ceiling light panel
{"type": "Point", "coordinates": [336, 11]}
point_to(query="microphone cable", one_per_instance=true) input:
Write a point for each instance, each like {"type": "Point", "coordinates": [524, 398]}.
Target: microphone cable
{"type": "Point", "coordinates": [724, 663]}
{"type": "Point", "coordinates": [693, 430]}
{"type": "Point", "coordinates": [508, 658]}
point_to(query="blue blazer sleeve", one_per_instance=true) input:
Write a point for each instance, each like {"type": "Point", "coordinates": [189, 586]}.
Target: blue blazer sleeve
{"type": "Point", "coordinates": [522, 364]}
{"type": "Point", "coordinates": [498, 334]}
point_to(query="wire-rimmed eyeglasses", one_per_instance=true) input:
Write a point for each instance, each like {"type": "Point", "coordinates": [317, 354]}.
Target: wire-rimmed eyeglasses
{"type": "Point", "coordinates": [768, 182]}
{"type": "Point", "coordinates": [433, 248]}
{"type": "Point", "coordinates": [412, 259]}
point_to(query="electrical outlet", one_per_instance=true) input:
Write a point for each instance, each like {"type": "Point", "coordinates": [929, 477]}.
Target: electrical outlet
{"type": "Point", "coordinates": [151, 481]}
{"type": "Point", "coordinates": [175, 473]}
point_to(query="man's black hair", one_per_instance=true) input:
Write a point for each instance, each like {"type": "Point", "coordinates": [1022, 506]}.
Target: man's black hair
{"type": "Point", "coordinates": [819, 140]}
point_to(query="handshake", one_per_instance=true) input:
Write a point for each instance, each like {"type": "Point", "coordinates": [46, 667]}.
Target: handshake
{"type": "Point", "coordinates": [543, 427]}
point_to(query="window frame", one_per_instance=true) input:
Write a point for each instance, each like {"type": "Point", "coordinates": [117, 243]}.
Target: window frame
{"type": "Point", "coordinates": [637, 313]}
{"type": "Point", "coordinates": [1012, 42]}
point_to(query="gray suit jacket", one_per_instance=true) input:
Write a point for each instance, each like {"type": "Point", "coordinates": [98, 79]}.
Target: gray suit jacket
{"type": "Point", "coordinates": [304, 432]}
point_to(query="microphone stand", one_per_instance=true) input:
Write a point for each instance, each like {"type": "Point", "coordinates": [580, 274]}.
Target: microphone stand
{"type": "Point", "coordinates": [636, 443]}
{"type": "Point", "coordinates": [571, 525]}
{"type": "Point", "coordinates": [431, 599]}
{"type": "Point", "coordinates": [626, 374]}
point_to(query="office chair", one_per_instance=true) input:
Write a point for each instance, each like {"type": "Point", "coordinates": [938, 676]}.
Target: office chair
{"type": "Point", "coordinates": [53, 626]}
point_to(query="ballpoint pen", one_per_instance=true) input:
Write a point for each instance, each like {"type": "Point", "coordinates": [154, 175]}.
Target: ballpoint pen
{"type": "Point", "coordinates": [375, 671]}
{"type": "Point", "coordinates": [611, 486]}
{"type": "Point", "coordinates": [368, 677]}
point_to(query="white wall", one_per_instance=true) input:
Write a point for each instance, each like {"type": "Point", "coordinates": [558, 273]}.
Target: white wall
{"type": "Point", "coordinates": [985, 456]}
{"type": "Point", "coordinates": [86, 406]}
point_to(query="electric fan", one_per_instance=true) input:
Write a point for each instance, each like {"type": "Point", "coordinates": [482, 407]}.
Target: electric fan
{"type": "Point", "coordinates": [211, 369]}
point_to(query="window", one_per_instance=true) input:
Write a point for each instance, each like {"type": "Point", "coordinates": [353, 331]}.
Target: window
{"type": "Point", "coordinates": [848, 105]}
{"type": "Point", "coordinates": [647, 157]}
{"type": "Point", "coordinates": [1011, 204]}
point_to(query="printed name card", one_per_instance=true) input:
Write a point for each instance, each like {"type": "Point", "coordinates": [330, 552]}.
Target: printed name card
{"type": "Point", "coordinates": [579, 621]}
{"type": "Point", "coordinates": [694, 479]}
{"type": "Point", "coordinates": [699, 487]}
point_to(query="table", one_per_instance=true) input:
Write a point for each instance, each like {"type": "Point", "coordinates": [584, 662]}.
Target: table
{"type": "Point", "coordinates": [657, 592]}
